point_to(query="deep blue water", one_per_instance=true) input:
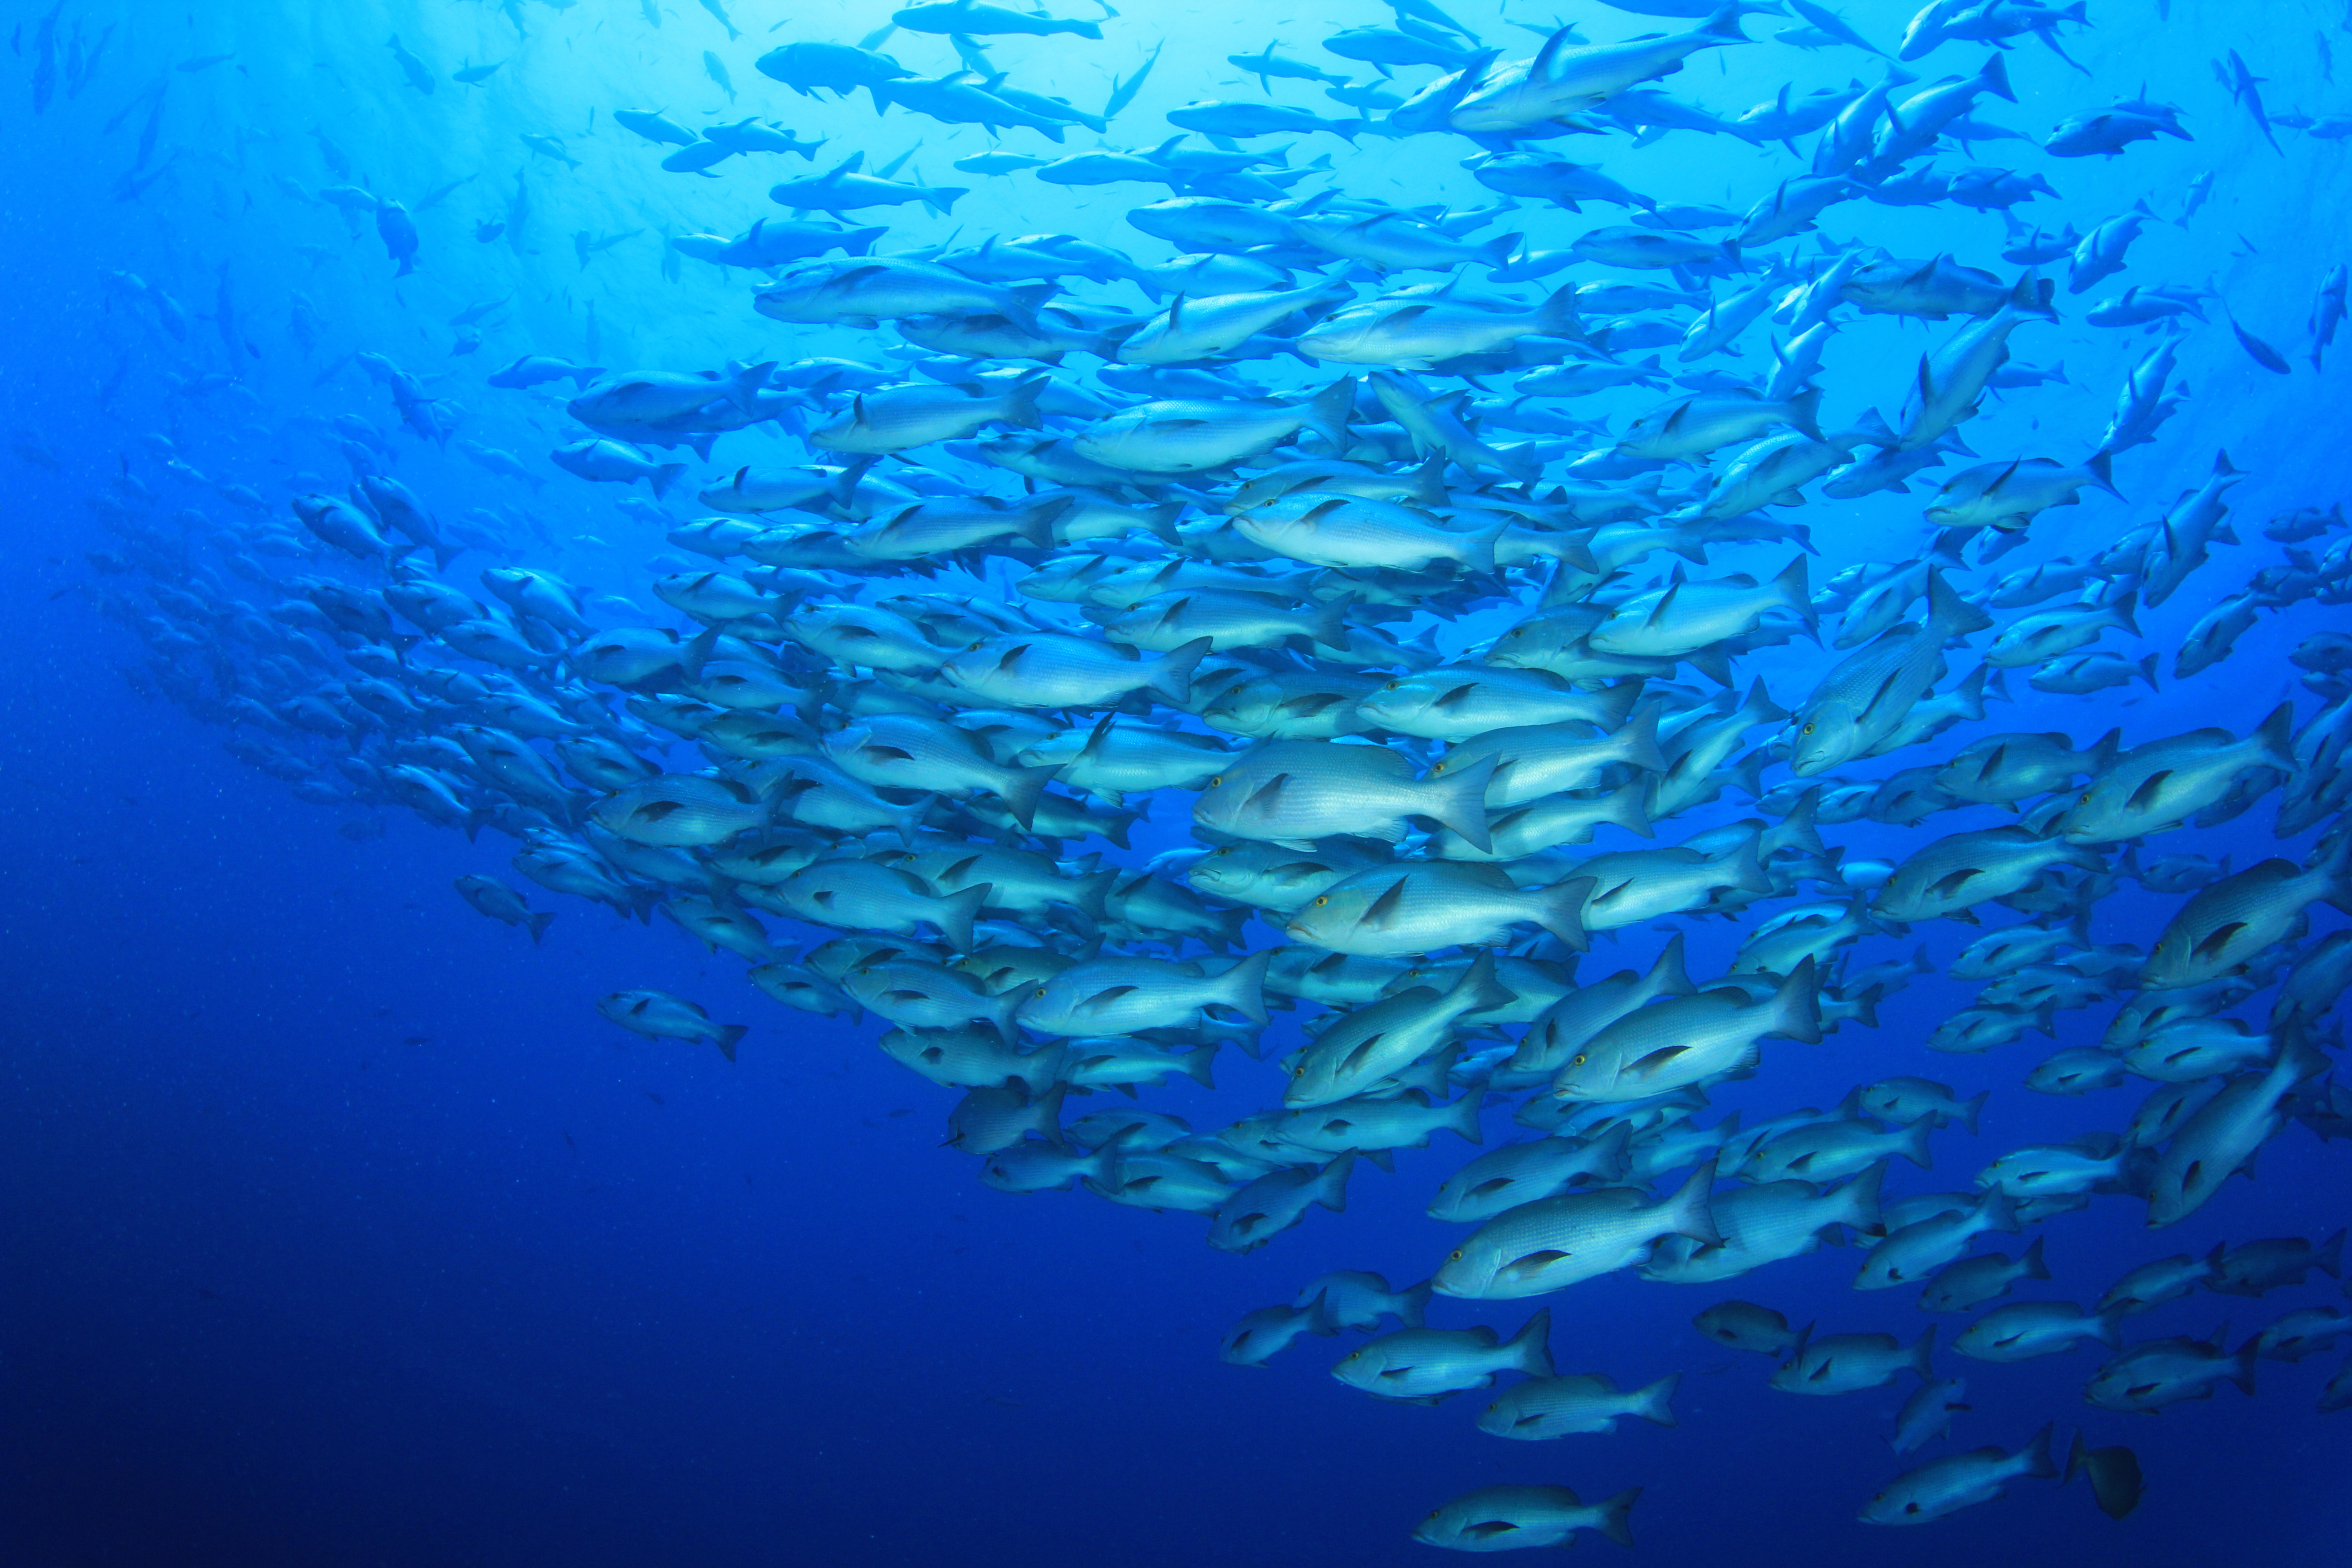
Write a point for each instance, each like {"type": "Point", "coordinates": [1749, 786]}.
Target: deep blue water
{"type": "Point", "coordinates": [339, 1227]}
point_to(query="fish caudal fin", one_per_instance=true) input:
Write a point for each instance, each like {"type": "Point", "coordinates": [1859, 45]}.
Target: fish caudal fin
{"type": "Point", "coordinates": [1531, 1348]}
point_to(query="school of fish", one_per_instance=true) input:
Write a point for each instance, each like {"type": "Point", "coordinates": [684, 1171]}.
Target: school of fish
{"type": "Point", "coordinates": [1299, 631]}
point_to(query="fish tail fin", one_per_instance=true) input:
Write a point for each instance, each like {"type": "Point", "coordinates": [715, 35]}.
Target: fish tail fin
{"type": "Point", "coordinates": [2034, 296]}
{"type": "Point", "coordinates": [2102, 472]}
{"type": "Point", "coordinates": [1411, 1307]}
{"type": "Point", "coordinates": [728, 1037]}
{"type": "Point", "coordinates": [2330, 1260]}
{"type": "Point", "coordinates": [1724, 23]}
{"type": "Point", "coordinates": [1914, 1147]}
{"type": "Point", "coordinates": [1560, 910]}
{"type": "Point", "coordinates": [2000, 1213]}
{"type": "Point", "coordinates": [1797, 593]}
{"type": "Point", "coordinates": [1089, 892]}
{"type": "Point", "coordinates": [1861, 1200]}
{"type": "Point", "coordinates": [1995, 76]}
{"type": "Point", "coordinates": [1172, 670]}
{"type": "Point", "coordinates": [1020, 792]}
{"type": "Point", "coordinates": [1459, 802]}
{"type": "Point", "coordinates": [1021, 403]}
{"type": "Point", "coordinates": [662, 478]}
{"type": "Point", "coordinates": [956, 914]}
{"type": "Point", "coordinates": [1461, 1116]}
{"type": "Point", "coordinates": [1628, 807]}
{"type": "Point", "coordinates": [1617, 1512]}
{"type": "Point", "coordinates": [1242, 987]}
{"type": "Point", "coordinates": [1478, 990]}
{"type": "Point", "coordinates": [539, 924]}
{"type": "Point", "coordinates": [1947, 610]}
{"type": "Point", "coordinates": [911, 819]}
{"type": "Point", "coordinates": [1972, 1109]}
{"type": "Point", "coordinates": [2147, 667]}
{"type": "Point", "coordinates": [2276, 737]}
{"type": "Point", "coordinates": [1923, 1355]}
{"type": "Point", "coordinates": [1669, 976]}
{"type": "Point", "coordinates": [2036, 1454]}
{"type": "Point", "coordinates": [1330, 410]}
{"type": "Point", "coordinates": [1001, 1011]}
{"type": "Point", "coordinates": [1160, 522]}
{"type": "Point", "coordinates": [1558, 315]}
{"type": "Point", "coordinates": [2243, 1374]}
{"type": "Point", "coordinates": [1331, 1186]}
{"type": "Point", "coordinates": [2110, 1332]}
{"type": "Point", "coordinates": [1655, 1403]}
{"type": "Point", "coordinates": [1198, 1064]}
{"type": "Point", "coordinates": [2034, 1267]}
{"type": "Point", "coordinates": [1688, 1213]}
{"type": "Point", "coordinates": [1805, 411]}
{"type": "Point", "coordinates": [2123, 609]}
{"type": "Point", "coordinates": [747, 382]}
{"type": "Point", "coordinates": [1330, 628]}
{"type": "Point", "coordinates": [1796, 1005]}
{"type": "Point", "coordinates": [1531, 1348]}
{"type": "Point", "coordinates": [1640, 739]}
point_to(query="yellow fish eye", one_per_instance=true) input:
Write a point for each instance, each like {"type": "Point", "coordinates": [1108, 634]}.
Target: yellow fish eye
{"type": "Point", "coordinates": [1808, 730]}
{"type": "Point", "coordinates": [1321, 901]}
{"type": "Point", "coordinates": [1391, 686]}
{"type": "Point", "coordinates": [1215, 781]}
{"type": "Point", "coordinates": [1453, 1256]}
{"type": "Point", "coordinates": [1041, 991]}
{"type": "Point", "coordinates": [1577, 1062]}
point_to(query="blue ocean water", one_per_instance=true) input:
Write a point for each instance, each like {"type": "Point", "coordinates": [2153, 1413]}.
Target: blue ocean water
{"type": "Point", "coordinates": [342, 1229]}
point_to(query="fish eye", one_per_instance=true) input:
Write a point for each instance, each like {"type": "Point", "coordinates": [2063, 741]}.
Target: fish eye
{"type": "Point", "coordinates": [1436, 769]}
{"type": "Point", "coordinates": [1041, 991]}
{"type": "Point", "coordinates": [1391, 686]}
{"type": "Point", "coordinates": [1215, 781]}
{"type": "Point", "coordinates": [1321, 901]}
{"type": "Point", "coordinates": [1452, 1257]}
{"type": "Point", "coordinates": [1807, 731]}
{"type": "Point", "coordinates": [1577, 1062]}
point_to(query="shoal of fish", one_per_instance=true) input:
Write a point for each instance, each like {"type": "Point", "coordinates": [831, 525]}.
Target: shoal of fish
{"type": "Point", "coordinates": [1426, 639]}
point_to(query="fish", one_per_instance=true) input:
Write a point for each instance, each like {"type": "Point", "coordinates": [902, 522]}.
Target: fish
{"type": "Point", "coordinates": [1944, 1486]}
{"type": "Point", "coordinates": [1501, 1518]}
{"type": "Point", "coordinates": [1278, 587]}
{"type": "Point", "coordinates": [1547, 1407]}
{"type": "Point", "coordinates": [659, 1015]}
{"type": "Point", "coordinates": [1848, 1363]}
{"type": "Point", "coordinates": [1430, 1365]}
{"type": "Point", "coordinates": [1556, 1242]}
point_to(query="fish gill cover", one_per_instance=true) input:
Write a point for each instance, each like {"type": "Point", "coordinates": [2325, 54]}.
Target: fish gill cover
{"type": "Point", "coordinates": [1651, 704]}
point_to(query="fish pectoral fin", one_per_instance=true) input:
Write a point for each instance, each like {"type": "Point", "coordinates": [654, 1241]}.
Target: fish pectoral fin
{"type": "Point", "coordinates": [1384, 907]}
{"type": "Point", "coordinates": [1487, 1529]}
{"type": "Point", "coordinates": [1944, 887]}
{"type": "Point", "coordinates": [1356, 1059]}
{"type": "Point", "coordinates": [1656, 1061]}
{"type": "Point", "coordinates": [1267, 795]}
{"type": "Point", "coordinates": [1104, 998]}
{"type": "Point", "coordinates": [2150, 787]}
{"type": "Point", "coordinates": [1533, 1263]}
{"type": "Point", "coordinates": [2218, 938]}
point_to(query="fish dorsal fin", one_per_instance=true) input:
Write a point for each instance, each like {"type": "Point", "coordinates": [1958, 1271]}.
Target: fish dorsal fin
{"type": "Point", "coordinates": [848, 165]}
